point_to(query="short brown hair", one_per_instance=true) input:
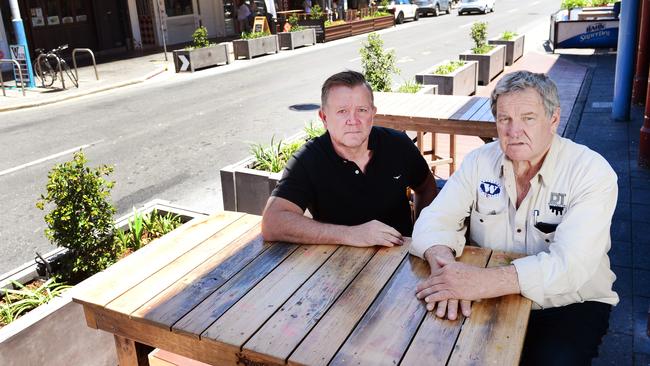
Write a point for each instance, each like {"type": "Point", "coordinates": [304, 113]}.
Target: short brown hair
{"type": "Point", "coordinates": [347, 78]}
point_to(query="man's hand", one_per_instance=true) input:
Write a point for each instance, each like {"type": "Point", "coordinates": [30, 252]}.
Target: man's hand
{"type": "Point", "coordinates": [373, 233]}
{"type": "Point", "coordinates": [448, 307]}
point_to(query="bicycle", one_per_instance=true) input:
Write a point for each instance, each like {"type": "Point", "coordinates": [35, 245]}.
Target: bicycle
{"type": "Point", "coordinates": [46, 67]}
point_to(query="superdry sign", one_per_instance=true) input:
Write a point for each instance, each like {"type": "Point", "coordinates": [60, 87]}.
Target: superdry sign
{"type": "Point", "coordinates": [587, 34]}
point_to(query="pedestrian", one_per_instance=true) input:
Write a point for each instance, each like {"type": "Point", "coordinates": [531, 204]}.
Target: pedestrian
{"type": "Point", "coordinates": [353, 179]}
{"type": "Point", "coordinates": [306, 4]}
{"type": "Point", "coordinates": [538, 194]}
{"type": "Point", "coordinates": [243, 12]}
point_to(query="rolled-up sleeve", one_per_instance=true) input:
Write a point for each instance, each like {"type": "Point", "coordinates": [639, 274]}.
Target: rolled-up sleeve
{"type": "Point", "coordinates": [443, 221]}
{"type": "Point", "coordinates": [581, 240]}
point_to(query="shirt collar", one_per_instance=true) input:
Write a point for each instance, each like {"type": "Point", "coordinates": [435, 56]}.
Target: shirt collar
{"type": "Point", "coordinates": [547, 171]}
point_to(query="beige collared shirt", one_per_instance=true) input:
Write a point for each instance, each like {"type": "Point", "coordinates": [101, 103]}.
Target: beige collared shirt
{"type": "Point", "coordinates": [562, 224]}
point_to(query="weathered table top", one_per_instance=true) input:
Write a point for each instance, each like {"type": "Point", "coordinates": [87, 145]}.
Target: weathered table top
{"type": "Point", "coordinates": [214, 291]}
{"type": "Point", "coordinates": [451, 114]}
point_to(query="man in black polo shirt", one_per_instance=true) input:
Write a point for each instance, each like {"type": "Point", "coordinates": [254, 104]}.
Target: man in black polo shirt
{"type": "Point", "coordinates": [353, 179]}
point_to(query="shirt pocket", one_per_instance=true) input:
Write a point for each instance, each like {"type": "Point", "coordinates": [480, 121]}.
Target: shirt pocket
{"type": "Point", "coordinates": [539, 240]}
{"type": "Point", "coordinates": [489, 230]}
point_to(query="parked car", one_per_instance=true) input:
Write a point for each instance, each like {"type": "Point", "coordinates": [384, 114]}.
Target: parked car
{"type": "Point", "coordinates": [433, 7]}
{"type": "Point", "coordinates": [403, 9]}
{"type": "Point", "coordinates": [468, 6]}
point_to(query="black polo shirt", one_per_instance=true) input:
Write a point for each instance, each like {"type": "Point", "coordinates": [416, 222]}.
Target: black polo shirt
{"type": "Point", "coordinates": [336, 191]}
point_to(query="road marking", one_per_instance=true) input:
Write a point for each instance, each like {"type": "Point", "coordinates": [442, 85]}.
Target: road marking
{"type": "Point", "coordinates": [185, 62]}
{"type": "Point", "coordinates": [54, 156]}
{"type": "Point", "coordinates": [466, 25]}
{"type": "Point", "coordinates": [355, 59]}
{"type": "Point", "coordinates": [513, 10]}
{"type": "Point", "coordinates": [535, 3]}
{"type": "Point", "coordinates": [404, 59]}
{"type": "Point", "coordinates": [425, 53]}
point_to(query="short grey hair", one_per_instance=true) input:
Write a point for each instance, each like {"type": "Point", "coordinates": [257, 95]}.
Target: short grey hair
{"type": "Point", "coordinates": [521, 80]}
{"type": "Point", "coordinates": [347, 78]}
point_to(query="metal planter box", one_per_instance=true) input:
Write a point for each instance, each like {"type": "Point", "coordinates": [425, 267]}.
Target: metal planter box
{"type": "Point", "coordinates": [249, 48]}
{"type": "Point", "coordinates": [460, 82]}
{"type": "Point", "coordinates": [191, 60]}
{"type": "Point", "coordinates": [514, 48]}
{"type": "Point", "coordinates": [490, 64]}
{"type": "Point", "coordinates": [296, 39]}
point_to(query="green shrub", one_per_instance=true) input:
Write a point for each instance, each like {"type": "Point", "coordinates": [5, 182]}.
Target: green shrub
{"type": "Point", "coordinates": [200, 38]}
{"type": "Point", "coordinates": [409, 87]}
{"type": "Point", "coordinates": [252, 35]}
{"type": "Point", "coordinates": [478, 33]}
{"type": "Point", "coordinates": [82, 217]}
{"type": "Point", "coordinates": [316, 12]}
{"type": "Point", "coordinates": [508, 35]}
{"type": "Point", "coordinates": [144, 228]}
{"type": "Point", "coordinates": [274, 157]}
{"type": "Point", "coordinates": [571, 4]}
{"type": "Point", "coordinates": [330, 23]}
{"type": "Point", "coordinates": [15, 303]}
{"type": "Point", "coordinates": [377, 64]}
{"type": "Point", "coordinates": [293, 21]}
{"type": "Point", "coordinates": [448, 68]}
{"type": "Point", "coordinates": [314, 129]}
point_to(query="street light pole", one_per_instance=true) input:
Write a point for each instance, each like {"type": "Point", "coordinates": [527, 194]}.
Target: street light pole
{"type": "Point", "coordinates": [21, 39]}
{"type": "Point", "coordinates": [644, 135]}
{"type": "Point", "coordinates": [625, 60]}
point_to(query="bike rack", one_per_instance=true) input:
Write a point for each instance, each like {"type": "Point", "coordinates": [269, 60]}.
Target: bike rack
{"type": "Point", "coordinates": [20, 73]}
{"type": "Point", "coordinates": [74, 62]}
{"type": "Point", "coordinates": [58, 63]}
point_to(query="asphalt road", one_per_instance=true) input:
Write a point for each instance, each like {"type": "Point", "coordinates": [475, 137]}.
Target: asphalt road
{"type": "Point", "coordinates": [168, 139]}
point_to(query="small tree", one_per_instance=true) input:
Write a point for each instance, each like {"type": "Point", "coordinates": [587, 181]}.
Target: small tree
{"type": "Point", "coordinates": [377, 64]}
{"type": "Point", "coordinates": [200, 37]}
{"type": "Point", "coordinates": [479, 35]}
{"type": "Point", "coordinates": [316, 12]}
{"type": "Point", "coordinates": [82, 218]}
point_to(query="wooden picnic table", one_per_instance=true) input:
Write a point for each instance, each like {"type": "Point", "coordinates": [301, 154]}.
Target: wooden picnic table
{"type": "Point", "coordinates": [215, 292]}
{"type": "Point", "coordinates": [448, 114]}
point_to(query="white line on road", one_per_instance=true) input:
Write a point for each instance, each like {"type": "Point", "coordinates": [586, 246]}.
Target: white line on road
{"type": "Point", "coordinates": [513, 10]}
{"type": "Point", "coordinates": [355, 59]}
{"type": "Point", "coordinates": [466, 25]}
{"type": "Point", "coordinates": [54, 156]}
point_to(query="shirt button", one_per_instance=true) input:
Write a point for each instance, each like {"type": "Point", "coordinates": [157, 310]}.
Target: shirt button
{"type": "Point", "coordinates": [356, 171]}
{"type": "Point", "coordinates": [518, 230]}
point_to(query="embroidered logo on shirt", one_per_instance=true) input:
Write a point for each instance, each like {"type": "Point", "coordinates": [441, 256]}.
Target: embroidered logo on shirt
{"type": "Point", "coordinates": [489, 189]}
{"type": "Point", "coordinates": [397, 177]}
{"type": "Point", "coordinates": [556, 203]}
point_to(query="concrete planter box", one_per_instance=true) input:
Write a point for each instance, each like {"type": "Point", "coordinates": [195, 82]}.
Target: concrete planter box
{"type": "Point", "coordinates": [191, 60]}
{"type": "Point", "coordinates": [249, 48]}
{"type": "Point", "coordinates": [490, 64]}
{"type": "Point", "coordinates": [514, 48]}
{"type": "Point", "coordinates": [460, 82]}
{"type": "Point", "coordinates": [56, 333]}
{"type": "Point", "coordinates": [246, 190]}
{"type": "Point", "coordinates": [292, 40]}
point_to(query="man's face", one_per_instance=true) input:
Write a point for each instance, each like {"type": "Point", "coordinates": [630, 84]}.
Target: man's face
{"type": "Point", "coordinates": [525, 132]}
{"type": "Point", "coordinates": [348, 115]}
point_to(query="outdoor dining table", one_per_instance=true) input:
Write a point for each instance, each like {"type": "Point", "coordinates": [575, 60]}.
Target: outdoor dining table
{"type": "Point", "coordinates": [215, 292]}
{"type": "Point", "coordinates": [447, 114]}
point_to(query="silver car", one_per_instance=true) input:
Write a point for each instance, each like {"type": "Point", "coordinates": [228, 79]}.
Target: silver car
{"type": "Point", "coordinates": [433, 7]}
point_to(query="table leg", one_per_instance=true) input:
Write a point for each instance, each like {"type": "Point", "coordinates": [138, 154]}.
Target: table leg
{"type": "Point", "coordinates": [452, 154]}
{"type": "Point", "coordinates": [131, 353]}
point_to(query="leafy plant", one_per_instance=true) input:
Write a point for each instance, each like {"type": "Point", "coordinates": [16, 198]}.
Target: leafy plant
{"type": "Point", "coordinates": [200, 38]}
{"type": "Point", "coordinates": [274, 157]}
{"type": "Point", "coordinates": [377, 64]}
{"type": "Point", "coordinates": [314, 129]}
{"type": "Point", "coordinates": [82, 217]}
{"type": "Point", "coordinates": [508, 35]}
{"type": "Point", "coordinates": [448, 68]}
{"type": "Point", "coordinates": [293, 21]}
{"type": "Point", "coordinates": [479, 35]}
{"type": "Point", "coordinates": [409, 87]}
{"type": "Point", "coordinates": [144, 228]}
{"type": "Point", "coordinates": [331, 23]}
{"type": "Point", "coordinates": [316, 12]}
{"type": "Point", "coordinates": [17, 302]}
{"type": "Point", "coordinates": [383, 6]}
{"type": "Point", "coordinates": [571, 4]}
{"type": "Point", "coordinates": [252, 35]}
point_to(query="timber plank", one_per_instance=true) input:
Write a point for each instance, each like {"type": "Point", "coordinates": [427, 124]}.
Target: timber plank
{"type": "Point", "coordinates": [492, 335]}
{"type": "Point", "coordinates": [146, 290]}
{"type": "Point", "coordinates": [435, 338]}
{"type": "Point", "coordinates": [215, 305]}
{"type": "Point", "coordinates": [464, 108]}
{"type": "Point", "coordinates": [478, 104]}
{"type": "Point", "coordinates": [179, 299]}
{"type": "Point", "coordinates": [147, 334]}
{"type": "Point", "coordinates": [326, 337]}
{"type": "Point", "coordinates": [385, 331]}
{"type": "Point", "coordinates": [283, 332]}
{"type": "Point", "coordinates": [484, 108]}
{"type": "Point", "coordinates": [244, 318]}
{"type": "Point", "coordinates": [105, 286]}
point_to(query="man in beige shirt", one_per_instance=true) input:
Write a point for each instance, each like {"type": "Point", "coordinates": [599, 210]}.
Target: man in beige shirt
{"type": "Point", "coordinates": [536, 193]}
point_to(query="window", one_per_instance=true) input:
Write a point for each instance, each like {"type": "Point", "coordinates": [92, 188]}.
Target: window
{"type": "Point", "coordinates": [178, 7]}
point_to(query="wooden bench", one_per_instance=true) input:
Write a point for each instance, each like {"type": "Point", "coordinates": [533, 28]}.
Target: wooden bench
{"type": "Point", "coordinates": [215, 292]}
{"type": "Point", "coordinates": [448, 114]}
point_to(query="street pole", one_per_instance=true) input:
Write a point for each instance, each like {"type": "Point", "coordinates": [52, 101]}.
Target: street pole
{"type": "Point", "coordinates": [644, 135]}
{"type": "Point", "coordinates": [625, 60]}
{"type": "Point", "coordinates": [21, 39]}
{"type": "Point", "coordinates": [641, 74]}
{"type": "Point", "coordinates": [163, 24]}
